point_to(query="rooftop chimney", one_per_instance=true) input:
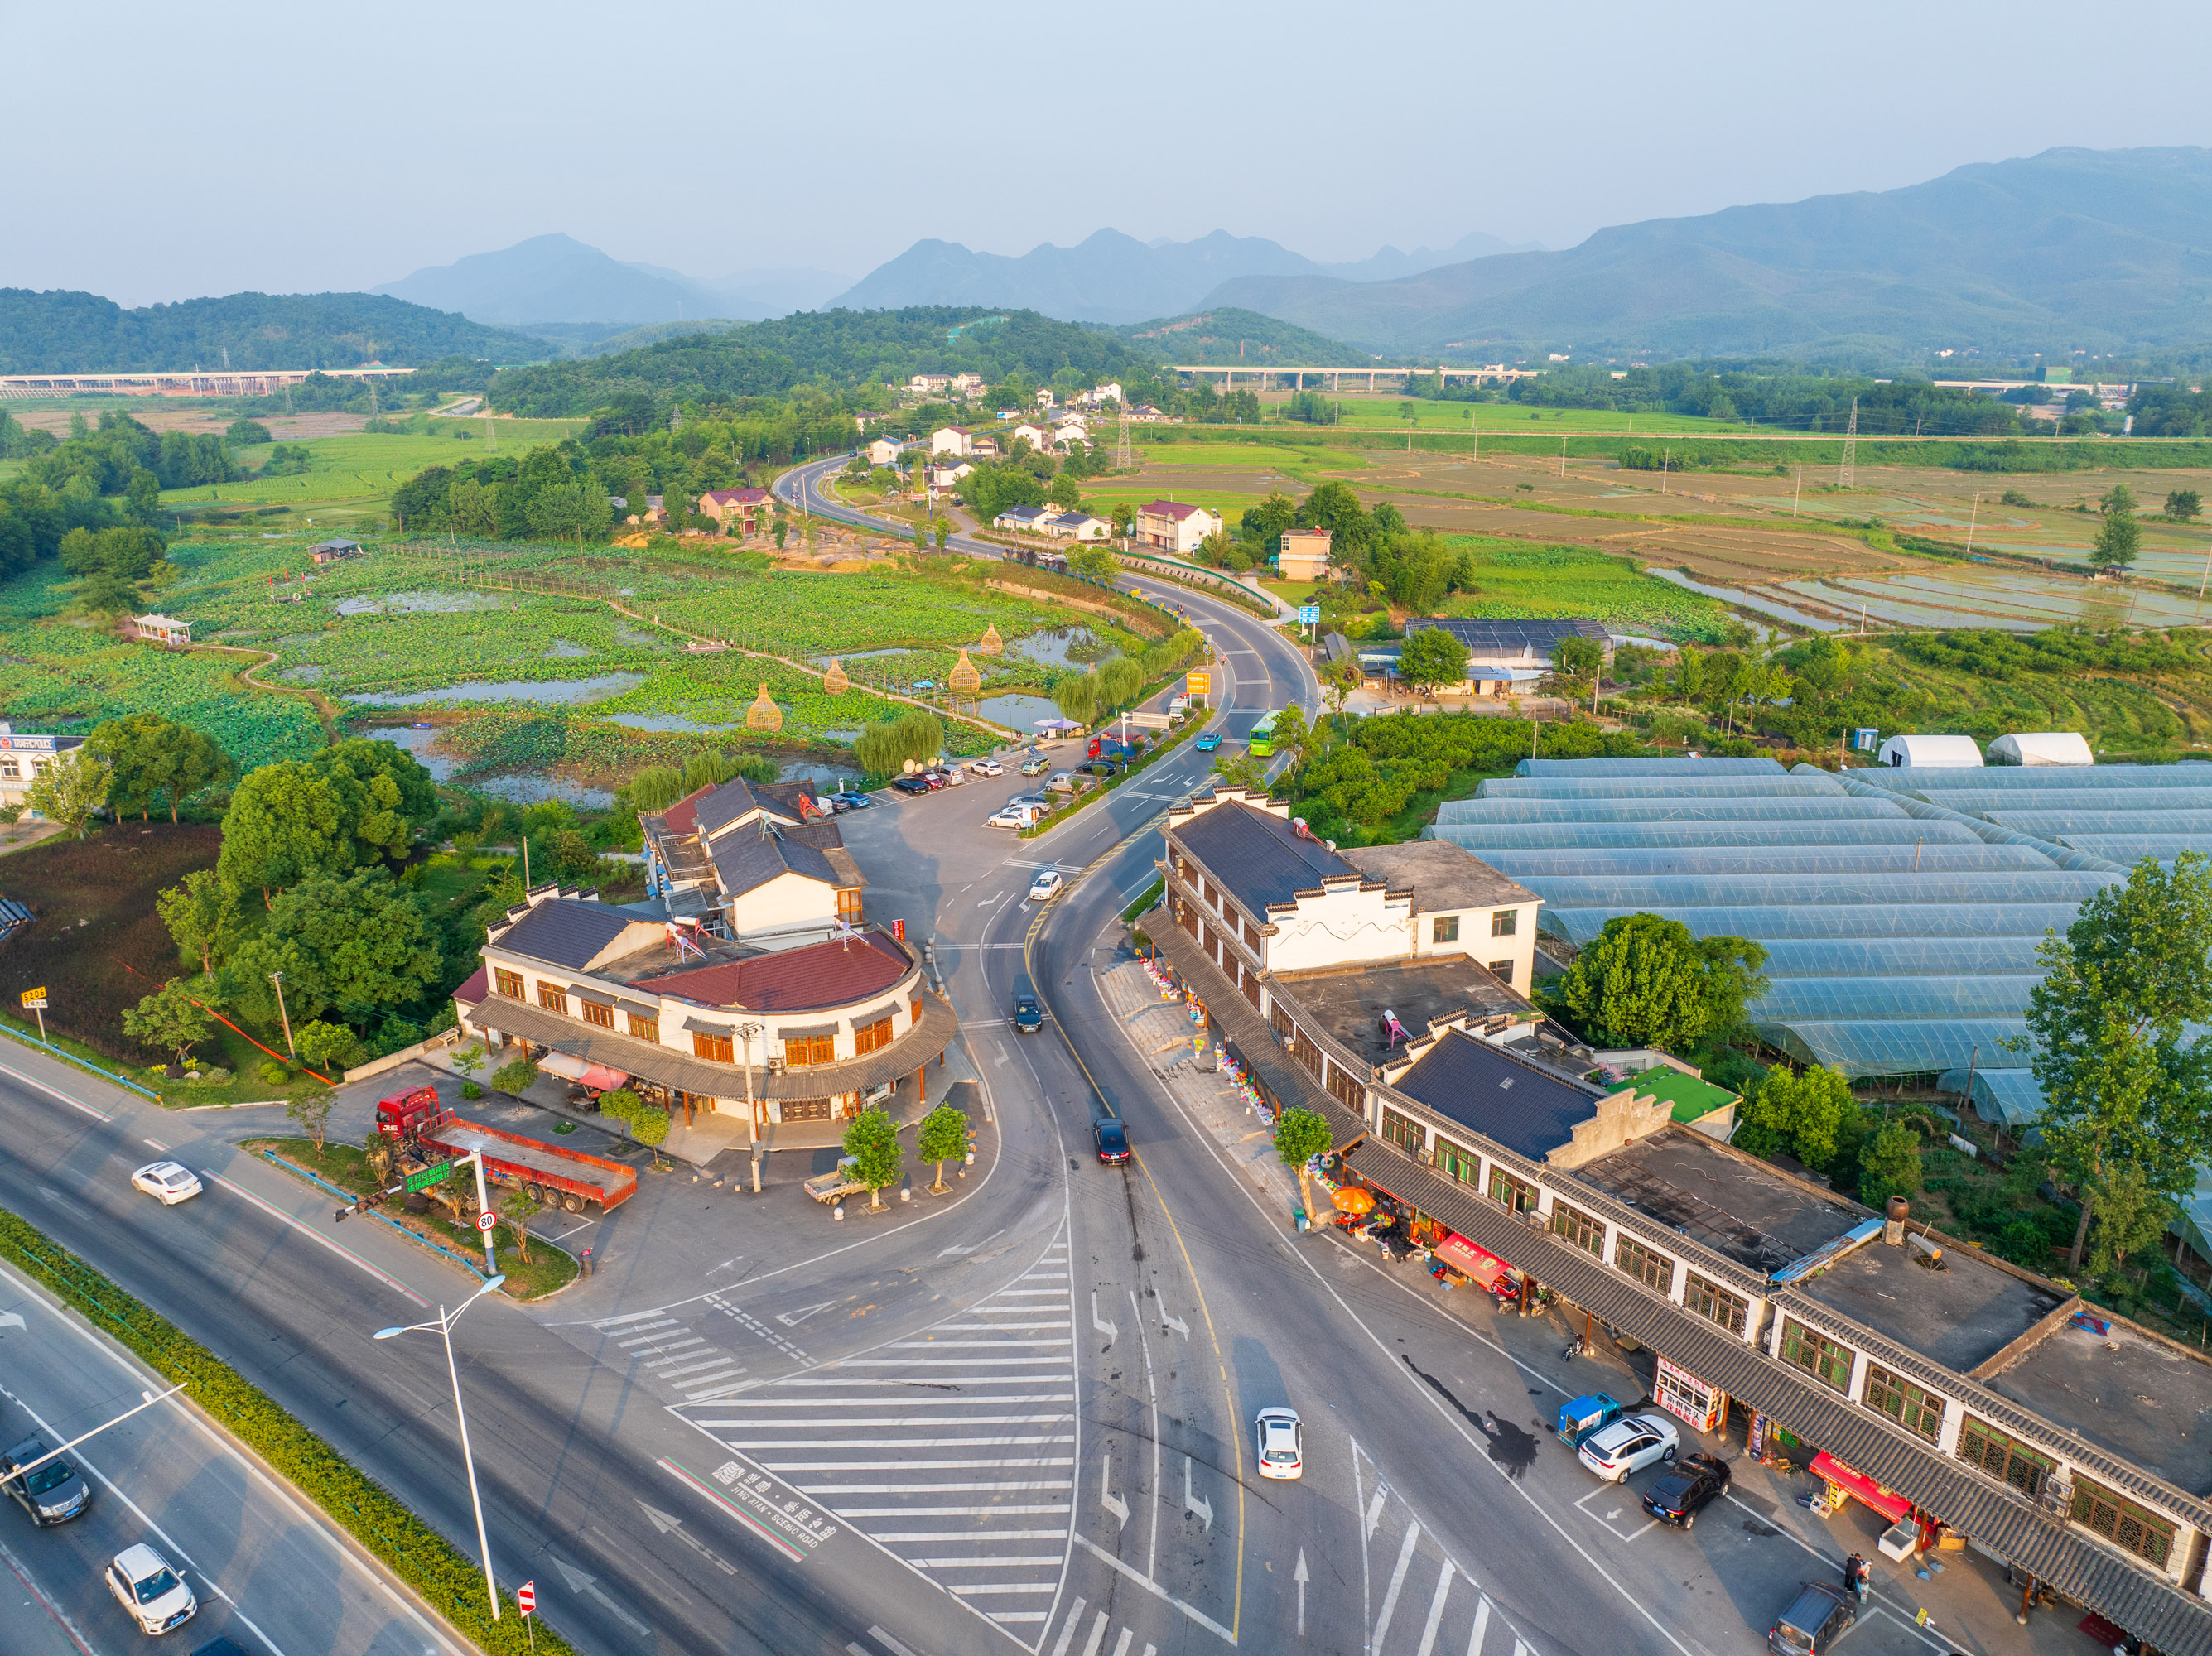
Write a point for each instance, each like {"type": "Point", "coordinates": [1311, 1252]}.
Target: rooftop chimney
{"type": "Point", "coordinates": [1892, 1232]}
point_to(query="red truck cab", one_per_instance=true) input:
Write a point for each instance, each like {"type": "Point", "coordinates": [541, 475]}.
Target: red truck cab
{"type": "Point", "coordinates": [405, 1114]}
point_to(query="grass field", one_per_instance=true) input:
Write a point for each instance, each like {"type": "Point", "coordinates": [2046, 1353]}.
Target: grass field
{"type": "Point", "coordinates": [1388, 410]}
{"type": "Point", "coordinates": [352, 475]}
{"type": "Point", "coordinates": [1514, 579]}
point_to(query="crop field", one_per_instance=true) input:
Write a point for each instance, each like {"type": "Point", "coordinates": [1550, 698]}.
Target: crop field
{"type": "Point", "coordinates": [1514, 579]}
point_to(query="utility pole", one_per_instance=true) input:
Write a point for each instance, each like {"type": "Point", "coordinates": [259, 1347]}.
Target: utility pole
{"type": "Point", "coordinates": [1971, 517]}
{"type": "Point", "coordinates": [1666, 457]}
{"type": "Point", "coordinates": [276, 977]}
{"type": "Point", "coordinates": [1847, 472]}
{"type": "Point", "coordinates": [1797, 493]}
{"type": "Point", "coordinates": [1563, 456]}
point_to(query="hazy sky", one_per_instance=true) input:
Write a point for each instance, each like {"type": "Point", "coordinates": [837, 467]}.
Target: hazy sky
{"type": "Point", "coordinates": [162, 152]}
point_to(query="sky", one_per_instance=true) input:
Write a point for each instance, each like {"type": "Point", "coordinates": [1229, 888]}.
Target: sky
{"type": "Point", "coordinates": [338, 148]}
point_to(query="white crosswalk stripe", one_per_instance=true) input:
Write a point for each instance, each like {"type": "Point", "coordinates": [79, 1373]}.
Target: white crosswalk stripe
{"type": "Point", "coordinates": [1454, 1598]}
{"type": "Point", "coordinates": [1094, 1641]}
{"type": "Point", "coordinates": [665, 1349]}
{"type": "Point", "coordinates": [953, 1448]}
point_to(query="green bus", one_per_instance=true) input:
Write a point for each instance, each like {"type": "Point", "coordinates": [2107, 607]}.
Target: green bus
{"type": "Point", "coordinates": [1261, 742]}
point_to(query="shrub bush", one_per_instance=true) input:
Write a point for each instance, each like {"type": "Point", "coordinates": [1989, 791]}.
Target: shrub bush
{"type": "Point", "coordinates": [470, 1089]}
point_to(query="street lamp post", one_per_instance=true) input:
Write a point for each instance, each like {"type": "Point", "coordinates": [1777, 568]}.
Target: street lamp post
{"type": "Point", "coordinates": [444, 1325]}
{"type": "Point", "coordinates": [747, 1032]}
{"type": "Point", "coordinates": [277, 978]}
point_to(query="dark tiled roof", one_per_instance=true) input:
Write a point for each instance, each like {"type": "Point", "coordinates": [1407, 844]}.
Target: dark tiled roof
{"type": "Point", "coordinates": [1258, 855]}
{"type": "Point", "coordinates": [565, 931]}
{"type": "Point", "coordinates": [1475, 1083]}
{"type": "Point", "coordinates": [834, 973]}
{"type": "Point", "coordinates": [1490, 636]}
{"type": "Point", "coordinates": [722, 806]}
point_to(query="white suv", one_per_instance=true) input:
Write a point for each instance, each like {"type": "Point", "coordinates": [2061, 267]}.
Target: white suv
{"type": "Point", "coordinates": [154, 1594]}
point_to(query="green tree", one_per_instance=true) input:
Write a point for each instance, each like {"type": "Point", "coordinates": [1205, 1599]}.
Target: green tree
{"type": "Point", "coordinates": [1689, 678]}
{"type": "Point", "coordinates": [2126, 1079]}
{"type": "Point", "coordinates": [1095, 561]}
{"type": "Point", "coordinates": [323, 1045]}
{"type": "Point", "coordinates": [167, 1021]}
{"type": "Point", "coordinates": [517, 1077]}
{"type": "Point", "coordinates": [1078, 697]}
{"type": "Point", "coordinates": [312, 1110]}
{"type": "Point", "coordinates": [2119, 540]}
{"type": "Point", "coordinates": [516, 1209]}
{"type": "Point", "coordinates": [944, 1137]}
{"type": "Point", "coordinates": [2182, 505]}
{"type": "Point", "coordinates": [1338, 681]}
{"type": "Point", "coordinates": [657, 788]}
{"type": "Point", "coordinates": [244, 432]}
{"type": "Point", "coordinates": [1646, 981]}
{"type": "Point", "coordinates": [1889, 1165]}
{"type": "Point", "coordinates": [1432, 656]}
{"type": "Point", "coordinates": [285, 823]}
{"type": "Point", "coordinates": [1125, 517]}
{"type": "Point", "coordinates": [2131, 1217]}
{"type": "Point", "coordinates": [1301, 1135]}
{"type": "Point", "coordinates": [358, 942]}
{"type": "Point", "coordinates": [872, 1142]}
{"type": "Point", "coordinates": [72, 786]}
{"type": "Point", "coordinates": [383, 796]}
{"type": "Point", "coordinates": [1121, 681]}
{"type": "Point", "coordinates": [1292, 734]}
{"type": "Point", "coordinates": [942, 533]}
{"type": "Point", "coordinates": [201, 912]}
{"type": "Point", "coordinates": [1578, 658]}
{"type": "Point", "coordinates": [1807, 1111]}
{"type": "Point", "coordinates": [153, 760]}
{"type": "Point", "coordinates": [1065, 491]}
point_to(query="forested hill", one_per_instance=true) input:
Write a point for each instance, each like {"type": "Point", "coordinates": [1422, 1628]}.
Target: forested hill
{"type": "Point", "coordinates": [1228, 336]}
{"type": "Point", "coordinates": [832, 348]}
{"type": "Point", "coordinates": [62, 332]}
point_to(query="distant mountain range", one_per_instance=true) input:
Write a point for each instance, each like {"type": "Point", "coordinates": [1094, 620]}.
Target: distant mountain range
{"type": "Point", "coordinates": [2069, 250]}
{"type": "Point", "coordinates": [579, 293]}
{"type": "Point", "coordinates": [1113, 278]}
{"type": "Point", "coordinates": [59, 332]}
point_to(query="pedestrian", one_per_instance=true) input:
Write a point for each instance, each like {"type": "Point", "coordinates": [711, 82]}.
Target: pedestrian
{"type": "Point", "coordinates": [1854, 1577]}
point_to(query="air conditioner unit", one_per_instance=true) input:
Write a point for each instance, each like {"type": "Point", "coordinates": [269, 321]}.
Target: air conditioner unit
{"type": "Point", "coordinates": [1427, 1157]}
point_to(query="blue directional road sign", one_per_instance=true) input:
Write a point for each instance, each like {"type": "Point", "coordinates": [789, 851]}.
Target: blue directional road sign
{"type": "Point", "coordinates": [1310, 616]}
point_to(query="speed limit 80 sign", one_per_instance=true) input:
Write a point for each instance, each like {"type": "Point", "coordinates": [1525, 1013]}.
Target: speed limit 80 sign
{"type": "Point", "coordinates": [487, 1221]}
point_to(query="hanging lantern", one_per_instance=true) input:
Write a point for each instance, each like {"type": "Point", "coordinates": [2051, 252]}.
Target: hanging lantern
{"type": "Point", "coordinates": [764, 715]}
{"type": "Point", "coordinates": [835, 681]}
{"type": "Point", "coordinates": [964, 679]}
{"type": "Point", "coordinates": [992, 644]}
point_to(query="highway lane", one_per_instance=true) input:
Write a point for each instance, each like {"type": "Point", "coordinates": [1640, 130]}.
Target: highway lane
{"type": "Point", "coordinates": [592, 1487]}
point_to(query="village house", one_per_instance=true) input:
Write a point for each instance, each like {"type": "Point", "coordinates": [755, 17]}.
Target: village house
{"type": "Point", "coordinates": [928, 385]}
{"type": "Point", "coordinates": [944, 476]}
{"type": "Point", "coordinates": [885, 450]}
{"type": "Point", "coordinates": [1035, 436]}
{"type": "Point", "coordinates": [22, 757]}
{"type": "Point", "coordinates": [334, 551]}
{"type": "Point", "coordinates": [1174, 527]}
{"type": "Point", "coordinates": [1304, 555]}
{"type": "Point", "coordinates": [950, 439]}
{"type": "Point", "coordinates": [1507, 656]}
{"type": "Point", "coordinates": [746, 508]}
{"type": "Point", "coordinates": [1024, 519]}
{"type": "Point", "coordinates": [1077, 526]}
{"type": "Point", "coordinates": [965, 385]}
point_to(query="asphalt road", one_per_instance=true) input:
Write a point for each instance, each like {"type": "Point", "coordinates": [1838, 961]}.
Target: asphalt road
{"type": "Point", "coordinates": [1012, 1417]}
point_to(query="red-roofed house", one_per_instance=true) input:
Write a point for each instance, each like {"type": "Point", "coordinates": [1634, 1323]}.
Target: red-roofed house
{"type": "Point", "coordinates": [746, 506]}
{"type": "Point", "coordinates": [1175, 526]}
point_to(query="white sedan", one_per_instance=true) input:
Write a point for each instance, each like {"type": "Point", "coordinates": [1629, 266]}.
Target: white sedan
{"type": "Point", "coordinates": [1046, 886]}
{"type": "Point", "coordinates": [1282, 1443]}
{"type": "Point", "coordinates": [986, 767]}
{"type": "Point", "coordinates": [1013, 816]}
{"type": "Point", "coordinates": [172, 1181]}
{"type": "Point", "coordinates": [1617, 1452]}
{"type": "Point", "coordinates": [154, 1595]}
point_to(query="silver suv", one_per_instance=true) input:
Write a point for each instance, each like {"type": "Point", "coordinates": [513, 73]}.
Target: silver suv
{"type": "Point", "coordinates": [53, 1493]}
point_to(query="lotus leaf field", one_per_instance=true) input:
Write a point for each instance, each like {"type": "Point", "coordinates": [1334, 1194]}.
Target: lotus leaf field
{"type": "Point", "coordinates": [558, 657]}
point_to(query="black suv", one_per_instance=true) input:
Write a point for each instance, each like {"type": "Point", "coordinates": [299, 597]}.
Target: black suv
{"type": "Point", "coordinates": [1691, 1485]}
{"type": "Point", "coordinates": [1029, 1014]}
{"type": "Point", "coordinates": [52, 1494]}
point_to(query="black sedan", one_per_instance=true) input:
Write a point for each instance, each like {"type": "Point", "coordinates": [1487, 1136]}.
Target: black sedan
{"type": "Point", "coordinates": [910, 784]}
{"type": "Point", "coordinates": [1693, 1483]}
{"type": "Point", "coordinates": [1113, 1141]}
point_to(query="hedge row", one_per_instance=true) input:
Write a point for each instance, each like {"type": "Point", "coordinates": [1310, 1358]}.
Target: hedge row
{"type": "Point", "coordinates": [449, 1579]}
{"type": "Point", "coordinates": [1170, 740]}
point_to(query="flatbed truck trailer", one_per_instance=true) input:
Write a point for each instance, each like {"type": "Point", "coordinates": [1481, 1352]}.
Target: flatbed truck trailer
{"type": "Point", "coordinates": [550, 1174]}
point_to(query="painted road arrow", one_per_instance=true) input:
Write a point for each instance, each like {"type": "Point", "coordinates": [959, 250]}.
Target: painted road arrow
{"type": "Point", "coordinates": [1112, 1503]}
{"type": "Point", "coordinates": [1100, 1323]}
{"type": "Point", "coordinates": [1300, 1576]}
{"type": "Point", "coordinates": [1193, 1502]}
{"type": "Point", "coordinates": [588, 1586]}
{"type": "Point", "coordinates": [667, 1523]}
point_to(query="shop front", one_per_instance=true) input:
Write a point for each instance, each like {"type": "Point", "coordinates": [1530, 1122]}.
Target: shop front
{"type": "Point", "coordinates": [1687, 1397]}
{"type": "Point", "coordinates": [1848, 1481]}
